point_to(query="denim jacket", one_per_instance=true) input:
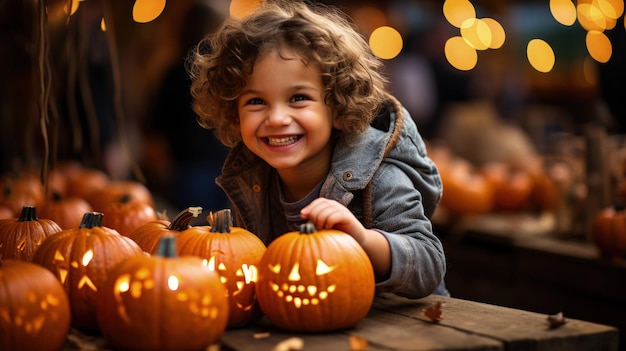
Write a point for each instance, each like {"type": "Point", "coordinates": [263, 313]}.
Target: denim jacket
{"type": "Point", "coordinates": [384, 177]}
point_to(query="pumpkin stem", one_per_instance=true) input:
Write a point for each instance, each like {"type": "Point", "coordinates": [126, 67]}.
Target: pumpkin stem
{"type": "Point", "coordinates": [91, 219]}
{"type": "Point", "coordinates": [221, 221]}
{"type": "Point", "coordinates": [167, 246]}
{"type": "Point", "coordinates": [182, 219]}
{"type": "Point", "coordinates": [307, 228]}
{"type": "Point", "coordinates": [29, 213]}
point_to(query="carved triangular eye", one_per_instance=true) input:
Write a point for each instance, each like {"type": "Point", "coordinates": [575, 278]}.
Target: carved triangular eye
{"type": "Point", "coordinates": [294, 275]}
{"type": "Point", "coordinates": [322, 268]}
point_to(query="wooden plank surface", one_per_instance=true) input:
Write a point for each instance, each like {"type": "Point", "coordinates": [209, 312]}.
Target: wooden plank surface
{"type": "Point", "coordinates": [399, 324]}
{"type": "Point", "coordinates": [517, 329]}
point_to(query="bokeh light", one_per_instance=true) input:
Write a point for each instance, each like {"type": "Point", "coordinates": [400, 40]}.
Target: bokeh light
{"type": "Point", "coordinates": [458, 11]}
{"type": "Point", "coordinates": [498, 36]}
{"type": "Point", "coordinates": [540, 55]}
{"type": "Point", "coordinates": [563, 11]}
{"type": "Point", "coordinates": [385, 42]}
{"type": "Point", "coordinates": [460, 54]}
{"type": "Point", "coordinates": [145, 11]}
{"type": "Point", "coordinates": [241, 8]}
{"type": "Point", "coordinates": [477, 33]}
{"type": "Point", "coordinates": [599, 46]}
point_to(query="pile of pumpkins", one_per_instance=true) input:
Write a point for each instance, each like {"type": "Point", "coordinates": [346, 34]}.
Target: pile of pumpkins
{"type": "Point", "coordinates": [495, 186]}
{"type": "Point", "coordinates": [510, 187]}
{"type": "Point", "coordinates": [149, 283]}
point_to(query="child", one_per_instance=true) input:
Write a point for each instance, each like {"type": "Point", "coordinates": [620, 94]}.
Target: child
{"type": "Point", "coordinates": [296, 93]}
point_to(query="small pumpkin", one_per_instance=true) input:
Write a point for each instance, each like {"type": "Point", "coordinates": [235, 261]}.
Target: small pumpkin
{"type": "Point", "coordinates": [148, 235]}
{"type": "Point", "coordinates": [608, 232]}
{"type": "Point", "coordinates": [84, 182]}
{"type": "Point", "coordinates": [116, 191]}
{"type": "Point", "coordinates": [127, 215]}
{"type": "Point", "coordinates": [512, 187]}
{"type": "Point", "coordinates": [66, 211]}
{"type": "Point", "coordinates": [81, 258]}
{"type": "Point", "coordinates": [315, 281]}
{"type": "Point", "coordinates": [466, 190]}
{"type": "Point", "coordinates": [25, 189]}
{"type": "Point", "coordinates": [162, 302]}
{"type": "Point", "coordinates": [235, 254]}
{"type": "Point", "coordinates": [20, 237]}
{"type": "Point", "coordinates": [34, 310]}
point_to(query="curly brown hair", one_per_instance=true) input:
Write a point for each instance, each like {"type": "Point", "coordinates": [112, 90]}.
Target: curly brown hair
{"type": "Point", "coordinates": [320, 35]}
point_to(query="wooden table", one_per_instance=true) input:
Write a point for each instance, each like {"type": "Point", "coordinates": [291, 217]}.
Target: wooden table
{"type": "Point", "coordinates": [396, 323]}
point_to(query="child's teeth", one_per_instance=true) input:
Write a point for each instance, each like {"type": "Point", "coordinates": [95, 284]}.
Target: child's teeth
{"type": "Point", "coordinates": [282, 141]}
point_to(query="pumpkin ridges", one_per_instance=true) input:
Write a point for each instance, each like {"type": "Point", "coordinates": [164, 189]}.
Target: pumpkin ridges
{"type": "Point", "coordinates": [81, 283]}
{"type": "Point", "coordinates": [352, 278]}
{"type": "Point", "coordinates": [22, 281]}
{"type": "Point", "coordinates": [175, 325]}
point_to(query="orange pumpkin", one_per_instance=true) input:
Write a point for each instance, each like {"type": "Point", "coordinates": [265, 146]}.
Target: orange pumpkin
{"type": "Point", "coordinates": [81, 258]}
{"type": "Point", "coordinates": [85, 182]}
{"type": "Point", "coordinates": [162, 302]}
{"type": "Point", "coordinates": [20, 237]}
{"type": "Point", "coordinates": [117, 191]}
{"type": "Point", "coordinates": [465, 190]}
{"type": "Point", "coordinates": [234, 253]}
{"type": "Point", "coordinates": [315, 281]}
{"type": "Point", "coordinates": [67, 212]}
{"type": "Point", "coordinates": [512, 187]}
{"type": "Point", "coordinates": [23, 190]}
{"type": "Point", "coordinates": [126, 215]}
{"type": "Point", "coordinates": [609, 232]}
{"type": "Point", "coordinates": [34, 308]}
{"type": "Point", "coordinates": [148, 235]}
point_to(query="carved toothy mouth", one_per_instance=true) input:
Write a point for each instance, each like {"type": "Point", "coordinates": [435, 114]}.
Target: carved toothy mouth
{"type": "Point", "coordinates": [297, 294]}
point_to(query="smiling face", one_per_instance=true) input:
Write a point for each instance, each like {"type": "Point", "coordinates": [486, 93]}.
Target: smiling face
{"type": "Point", "coordinates": [282, 114]}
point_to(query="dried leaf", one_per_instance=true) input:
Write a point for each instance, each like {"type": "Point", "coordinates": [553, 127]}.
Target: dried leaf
{"type": "Point", "coordinates": [291, 344]}
{"type": "Point", "coordinates": [433, 312]}
{"type": "Point", "coordinates": [357, 343]}
{"type": "Point", "coordinates": [556, 320]}
{"type": "Point", "coordinates": [263, 335]}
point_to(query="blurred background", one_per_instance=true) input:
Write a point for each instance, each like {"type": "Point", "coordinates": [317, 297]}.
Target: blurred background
{"type": "Point", "coordinates": [103, 82]}
{"type": "Point", "coordinates": [520, 101]}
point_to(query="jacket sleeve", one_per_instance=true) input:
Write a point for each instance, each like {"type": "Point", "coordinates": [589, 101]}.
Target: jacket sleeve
{"type": "Point", "coordinates": [418, 260]}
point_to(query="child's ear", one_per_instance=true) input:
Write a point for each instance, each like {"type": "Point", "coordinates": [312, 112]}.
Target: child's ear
{"type": "Point", "coordinates": [337, 123]}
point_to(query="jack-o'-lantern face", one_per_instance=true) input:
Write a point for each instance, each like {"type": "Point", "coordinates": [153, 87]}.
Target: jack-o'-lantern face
{"type": "Point", "coordinates": [239, 281]}
{"type": "Point", "coordinates": [315, 281]}
{"type": "Point", "coordinates": [292, 288]}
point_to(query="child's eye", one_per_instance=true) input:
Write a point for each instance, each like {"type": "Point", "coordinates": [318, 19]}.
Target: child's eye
{"type": "Point", "coordinates": [299, 97]}
{"type": "Point", "coordinates": [255, 101]}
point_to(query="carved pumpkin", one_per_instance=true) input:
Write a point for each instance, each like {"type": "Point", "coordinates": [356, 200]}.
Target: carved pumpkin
{"type": "Point", "coordinates": [34, 310]}
{"type": "Point", "coordinates": [20, 237]}
{"type": "Point", "coordinates": [234, 253]}
{"type": "Point", "coordinates": [81, 258]}
{"type": "Point", "coordinates": [315, 281]}
{"type": "Point", "coordinates": [609, 232]}
{"type": "Point", "coordinates": [127, 215]}
{"type": "Point", "coordinates": [148, 235]}
{"type": "Point", "coordinates": [67, 212]}
{"type": "Point", "coordinates": [162, 302]}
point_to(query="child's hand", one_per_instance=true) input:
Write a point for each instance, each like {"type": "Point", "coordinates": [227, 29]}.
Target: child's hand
{"type": "Point", "coordinates": [327, 214]}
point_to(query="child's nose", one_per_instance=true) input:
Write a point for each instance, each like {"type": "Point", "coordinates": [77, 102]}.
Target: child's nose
{"type": "Point", "coordinates": [278, 116]}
